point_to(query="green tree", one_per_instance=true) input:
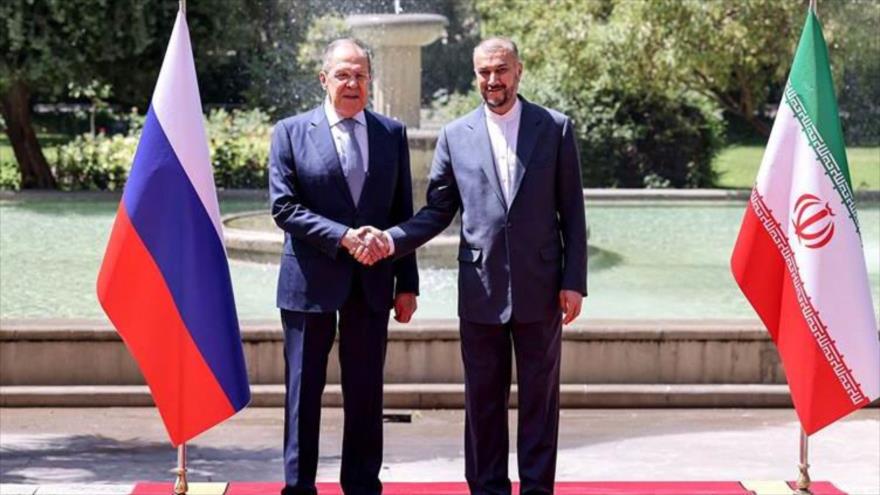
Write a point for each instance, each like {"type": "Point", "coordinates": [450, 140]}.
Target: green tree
{"type": "Point", "coordinates": [732, 52]}
{"type": "Point", "coordinates": [636, 126]}
{"type": "Point", "coordinates": [48, 45]}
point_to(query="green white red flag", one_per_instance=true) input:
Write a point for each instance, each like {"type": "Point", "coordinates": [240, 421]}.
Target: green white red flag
{"type": "Point", "coordinates": [799, 258]}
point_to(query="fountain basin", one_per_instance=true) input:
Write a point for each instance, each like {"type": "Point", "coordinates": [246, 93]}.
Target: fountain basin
{"type": "Point", "coordinates": [397, 29]}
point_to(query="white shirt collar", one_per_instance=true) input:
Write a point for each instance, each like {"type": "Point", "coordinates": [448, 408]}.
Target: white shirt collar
{"type": "Point", "coordinates": [333, 118]}
{"type": "Point", "coordinates": [511, 114]}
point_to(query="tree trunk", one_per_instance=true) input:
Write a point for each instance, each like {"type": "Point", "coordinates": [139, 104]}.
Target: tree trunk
{"type": "Point", "coordinates": [35, 171]}
{"type": "Point", "coordinates": [759, 125]}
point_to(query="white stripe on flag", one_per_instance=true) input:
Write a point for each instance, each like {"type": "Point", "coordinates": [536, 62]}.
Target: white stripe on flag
{"type": "Point", "coordinates": [178, 109]}
{"type": "Point", "coordinates": [834, 275]}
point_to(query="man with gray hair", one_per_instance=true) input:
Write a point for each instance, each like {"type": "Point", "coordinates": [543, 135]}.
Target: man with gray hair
{"type": "Point", "coordinates": [332, 170]}
{"type": "Point", "coordinates": [511, 167]}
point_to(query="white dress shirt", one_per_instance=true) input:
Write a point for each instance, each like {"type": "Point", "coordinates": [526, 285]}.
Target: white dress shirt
{"type": "Point", "coordinates": [340, 136]}
{"type": "Point", "coordinates": [503, 134]}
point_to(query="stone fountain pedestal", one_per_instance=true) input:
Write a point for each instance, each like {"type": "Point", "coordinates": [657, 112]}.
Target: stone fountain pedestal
{"type": "Point", "coordinates": [396, 41]}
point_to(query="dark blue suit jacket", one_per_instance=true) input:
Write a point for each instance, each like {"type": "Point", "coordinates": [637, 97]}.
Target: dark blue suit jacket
{"type": "Point", "coordinates": [512, 262]}
{"type": "Point", "coordinates": [311, 202]}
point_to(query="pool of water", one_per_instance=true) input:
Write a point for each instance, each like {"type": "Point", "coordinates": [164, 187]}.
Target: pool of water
{"type": "Point", "coordinates": [658, 260]}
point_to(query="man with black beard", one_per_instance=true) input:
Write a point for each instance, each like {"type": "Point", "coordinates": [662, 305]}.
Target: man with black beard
{"type": "Point", "coordinates": [511, 167]}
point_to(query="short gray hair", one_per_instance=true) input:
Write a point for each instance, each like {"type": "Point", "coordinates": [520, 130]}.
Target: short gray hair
{"type": "Point", "coordinates": [327, 56]}
{"type": "Point", "coordinates": [496, 43]}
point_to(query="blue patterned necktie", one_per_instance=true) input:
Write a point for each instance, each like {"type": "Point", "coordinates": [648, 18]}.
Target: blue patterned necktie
{"type": "Point", "coordinates": [353, 161]}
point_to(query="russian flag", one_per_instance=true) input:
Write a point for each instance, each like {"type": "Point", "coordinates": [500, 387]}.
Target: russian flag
{"type": "Point", "coordinates": [164, 281]}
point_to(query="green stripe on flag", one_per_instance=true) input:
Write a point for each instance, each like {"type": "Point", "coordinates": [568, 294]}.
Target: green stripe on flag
{"type": "Point", "coordinates": [810, 94]}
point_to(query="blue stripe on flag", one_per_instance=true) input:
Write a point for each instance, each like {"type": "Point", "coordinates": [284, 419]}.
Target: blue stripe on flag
{"type": "Point", "coordinates": [177, 230]}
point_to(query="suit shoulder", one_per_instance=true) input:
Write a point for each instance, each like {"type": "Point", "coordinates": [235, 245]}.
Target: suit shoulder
{"type": "Point", "coordinates": [465, 121]}
{"type": "Point", "coordinates": [555, 115]}
{"type": "Point", "coordinates": [392, 125]}
{"type": "Point", "coordinates": [295, 121]}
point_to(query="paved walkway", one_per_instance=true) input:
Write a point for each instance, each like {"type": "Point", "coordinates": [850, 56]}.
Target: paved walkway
{"type": "Point", "coordinates": [115, 445]}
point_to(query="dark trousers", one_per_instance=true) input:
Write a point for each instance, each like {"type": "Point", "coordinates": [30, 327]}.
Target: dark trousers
{"type": "Point", "coordinates": [308, 338]}
{"type": "Point", "coordinates": [486, 352]}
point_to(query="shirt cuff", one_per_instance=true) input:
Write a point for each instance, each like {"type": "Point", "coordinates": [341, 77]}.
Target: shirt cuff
{"type": "Point", "coordinates": [390, 243]}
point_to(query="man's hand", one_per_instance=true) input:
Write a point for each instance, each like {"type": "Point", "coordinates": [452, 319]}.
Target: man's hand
{"type": "Point", "coordinates": [367, 245]}
{"type": "Point", "coordinates": [404, 306]}
{"type": "Point", "coordinates": [570, 302]}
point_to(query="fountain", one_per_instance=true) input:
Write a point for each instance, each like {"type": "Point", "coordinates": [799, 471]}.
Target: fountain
{"type": "Point", "coordinates": [396, 42]}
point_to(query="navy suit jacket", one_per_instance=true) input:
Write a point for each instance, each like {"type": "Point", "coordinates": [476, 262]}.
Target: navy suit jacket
{"type": "Point", "coordinates": [512, 261]}
{"type": "Point", "coordinates": [310, 201]}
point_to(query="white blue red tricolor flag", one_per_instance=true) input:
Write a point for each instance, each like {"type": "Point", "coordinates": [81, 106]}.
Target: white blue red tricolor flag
{"type": "Point", "coordinates": [799, 258]}
{"type": "Point", "coordinates": [164, 281]}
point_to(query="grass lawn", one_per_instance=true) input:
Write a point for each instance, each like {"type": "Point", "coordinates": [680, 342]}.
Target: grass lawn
{"type": "Point", "coordinates": [738, 166]}
{"type": "Point", "coordinates": [6, 153]}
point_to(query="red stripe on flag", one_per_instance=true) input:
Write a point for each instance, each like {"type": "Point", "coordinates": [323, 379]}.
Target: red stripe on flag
{"type": "Point", "coordinates": [134, 296]}
{"type": "Point", "coordinates": [760, 270]}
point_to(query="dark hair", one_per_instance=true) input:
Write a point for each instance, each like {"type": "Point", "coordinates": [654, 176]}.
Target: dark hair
{"type": "Point", "coordinates": [495, 43]}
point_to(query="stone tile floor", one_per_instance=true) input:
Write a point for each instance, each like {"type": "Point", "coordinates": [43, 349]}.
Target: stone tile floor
{"type": "Point", "coordinates": [64, 446]}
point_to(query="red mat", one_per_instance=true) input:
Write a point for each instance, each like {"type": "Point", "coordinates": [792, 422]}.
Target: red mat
{"type": "Point", "coordinates": [562, 488]}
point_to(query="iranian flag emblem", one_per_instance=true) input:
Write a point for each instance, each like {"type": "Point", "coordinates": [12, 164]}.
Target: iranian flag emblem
{"type": "Point", "coordinates": [799, 258]}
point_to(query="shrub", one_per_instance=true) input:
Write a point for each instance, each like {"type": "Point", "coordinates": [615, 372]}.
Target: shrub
{"type": "Point", "coordinates": [646, 140]}
{"type": "Point", "coordinates": [99, 162]}
{"type": "Point", "coordinates": [628, 140]}
{"type": "Point", "coordinates": [238, 141]}
{"type": "Point", "coordinates": [10, 177]}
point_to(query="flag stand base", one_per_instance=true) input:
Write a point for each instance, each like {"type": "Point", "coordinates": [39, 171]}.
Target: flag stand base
{"type": "Point", "coordinates": [180, 484]}
{"type": "Point", "coordinates": [803, 481]}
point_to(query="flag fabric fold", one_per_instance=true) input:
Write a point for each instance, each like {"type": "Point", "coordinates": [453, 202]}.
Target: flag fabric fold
{"type": "Point", "coordinates": [799, 259]}
{"type": "Point", "coordinates": [164, 282]}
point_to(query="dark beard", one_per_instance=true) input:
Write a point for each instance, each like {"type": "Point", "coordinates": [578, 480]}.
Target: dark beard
{"type": "Point", "coordinates": [501, 103]}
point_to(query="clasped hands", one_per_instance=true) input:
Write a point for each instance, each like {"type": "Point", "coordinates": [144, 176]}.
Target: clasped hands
{"type": "Point", "coordinates": [368, 245]}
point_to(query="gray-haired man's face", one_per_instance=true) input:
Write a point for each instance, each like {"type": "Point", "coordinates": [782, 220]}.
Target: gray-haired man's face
{"type": "Point", "coordinates": [347, 80]}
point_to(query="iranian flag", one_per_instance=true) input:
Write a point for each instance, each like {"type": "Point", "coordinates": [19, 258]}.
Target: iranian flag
{"type": "Point", "coordinates": [799, 258]}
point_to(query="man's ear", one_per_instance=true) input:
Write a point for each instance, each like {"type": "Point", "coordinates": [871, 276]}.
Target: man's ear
{"type": "Point", "coordinates": [322, 76]}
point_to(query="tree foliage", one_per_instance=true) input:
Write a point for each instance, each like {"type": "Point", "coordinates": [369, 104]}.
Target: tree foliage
{"type": "Point", "coordinates": [736, 53]}
{"type": "Point", "coordinates": [631, 134]}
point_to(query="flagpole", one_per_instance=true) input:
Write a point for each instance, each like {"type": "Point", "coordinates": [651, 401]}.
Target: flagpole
{"type": "Point", "coordinates": [803, 482]}
{"type": "Point", "coordinates": [180, 484]}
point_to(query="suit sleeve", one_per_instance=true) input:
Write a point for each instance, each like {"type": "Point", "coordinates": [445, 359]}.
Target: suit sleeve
{"type": "Point", "coordinates": [442, 203]}
{"type": "Point", "coordinates": [286, 204]}
{"type": "Point", "coordinates": [406, 272]}
{"type": "Point", "coordinates": [570, 207]}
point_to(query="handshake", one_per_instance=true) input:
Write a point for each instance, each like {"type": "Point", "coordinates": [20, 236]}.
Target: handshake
{"type": "Point", "coordinates": [368, 245]}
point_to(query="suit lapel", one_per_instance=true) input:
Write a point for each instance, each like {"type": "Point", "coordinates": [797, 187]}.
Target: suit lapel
{"type": "Point", "coordinates": [322, 140]}
{"type": "Point", "coordinates": [482, 147]}
{"type": "Point", "coordinates": [526, 139]}
{"type": "Point", "coordinates": [375, 155]}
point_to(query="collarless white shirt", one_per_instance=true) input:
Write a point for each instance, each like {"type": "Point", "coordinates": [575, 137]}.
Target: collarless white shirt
{"type": "Point", "coordinates": [340, 135]}
{"type": "Point", "coordinates": [503, 134]}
